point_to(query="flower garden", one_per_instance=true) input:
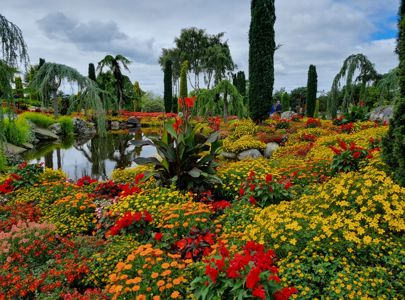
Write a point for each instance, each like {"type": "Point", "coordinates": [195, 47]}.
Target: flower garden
{"type": "Point", "coordinates": [320, 219]}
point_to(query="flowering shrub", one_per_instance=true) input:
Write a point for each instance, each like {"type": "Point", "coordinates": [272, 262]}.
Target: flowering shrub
{"type": "Point", "coordinates": [353, 221]}
{"type": "Point", "coordinates": [138, 223]}
{"type": "Point", "coordinates": [35, 262]}
{"type": "Point", "coordinates": [248, 275]}
{"type": "Point", "coordinates": [296, 118]}
{"type": "Point", "coordinates": [346, 128]}
{"type": "Point", "coordinates": [312, 123]}
{"type": "Point", "coordinates": [263, 193]}
{"type": "Point", "coordinates": [244, 143]}
{"type": "Point", "coordinates": [108, 189]}
{"type": "Point", "coordinates": [283, 124]}
{"type": "Point", "coordinates": [129, 174]}
{"type": "Point", "coordinates": [151, 272]}
{"type": "Point", "coordinates": [23, 175]}
{"type": "Point", "coordinates": [348, 158]}
{"type": "Point", "coordinates": [241, 128]}
{"type": "Point", "coordinates": [308, 138]}
{"type": "Point", "coordinates": [85, 180]}
{"type": "Point", "coordinates": [11, 214]}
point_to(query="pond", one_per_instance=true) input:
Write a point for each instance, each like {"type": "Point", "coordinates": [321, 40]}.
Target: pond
{"type": "Point", "coordinates": [94, 156]}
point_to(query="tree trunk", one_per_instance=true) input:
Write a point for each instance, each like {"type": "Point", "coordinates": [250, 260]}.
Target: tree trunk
{"type": "Point", "coordinates": [59, 160]}
{"type": "Point", "coordinates": [55, 103]}
{"type": "Point", "coordinates": [226, 107]}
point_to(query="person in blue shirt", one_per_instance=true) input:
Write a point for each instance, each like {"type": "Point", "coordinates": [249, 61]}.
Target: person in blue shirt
{"type": "Point", "coordinates": [278, 107]}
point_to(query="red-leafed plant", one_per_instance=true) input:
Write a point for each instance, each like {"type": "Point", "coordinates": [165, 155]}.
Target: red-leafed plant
{"type": "Point", "coordinates": [346, 128]}
{"type": "Point", "coordinates": [312, 123]}
{"type": "Point", "coordinates": [196, 245]}
{"type": "Point", "coordinates": [308, 138]}
{"type": "Point", "coordinates": [251, 274]}
{"type": "Point", "coordinates": [265, 192]}
{"type": "Point", "coordinates": [85, 180]}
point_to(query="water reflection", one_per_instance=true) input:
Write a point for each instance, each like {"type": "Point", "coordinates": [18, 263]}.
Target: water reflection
{"type": "Point", "coordinates": [93, 156]}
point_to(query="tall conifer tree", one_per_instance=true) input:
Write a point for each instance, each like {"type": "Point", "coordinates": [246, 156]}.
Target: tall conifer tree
{"type": "Point", "coordinates": [261, 57]}
{"type": "Point", "coordinates": [168, 90]}
{"type": "Point", "coordinates": [312, 87]}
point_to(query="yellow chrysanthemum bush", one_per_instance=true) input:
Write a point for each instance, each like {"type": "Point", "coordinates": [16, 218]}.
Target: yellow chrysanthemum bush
{"type": "Point", "coordinates": [128, 175]}
{"type": "Point", "coordinates": [150, 273]}
{"type": "Point", "coordinates": [242, 137]}
{"type": "Point", "coordinates": [348, 224]}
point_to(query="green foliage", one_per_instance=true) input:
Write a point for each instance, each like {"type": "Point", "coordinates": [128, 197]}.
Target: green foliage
{"type": "Point", "coordinates": [297, 98]}
{"type": "Point", "coordinates": [261, 58]}
{"type": "Point", "coordinates": [186, 157]}
{"type": "Point", "coordinates": [168, 89]}
{"type": "Point", "coordinates": [239, 81]}
{"type": "Point", "coordinates": [356, 113]}
{"type": "Point", "coordinates": [66, 124]}
{"type": "Point", "coordinates": [92, 72]}
{"type": "Point", "coordinates": [348, 158]}
{"type": "Point", "coordinates": [285, 101]}
{"type": "Point", "coordinates": [17, 131]}
{"type": "Point", "coordinates": [316, 112]}
{"type": "Point", "coordinates": [39, 119]}
{"type": "Point", "coordinates": [312, 88]}
{"type": "Point", "coordinates": [152, 103]}
{"type": "Point", "coordinates": [183, 79]}
{"type": "Point", "coordinates": [3, 161]}
{"type": "Point", "coordinates": [394, 141]}
{"type": "Point", "coordinates": [19, 89]}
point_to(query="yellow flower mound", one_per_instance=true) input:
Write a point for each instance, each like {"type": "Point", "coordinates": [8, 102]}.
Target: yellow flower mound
{"type": "Point", "coordinates": [246, 142]}
{"type": "Point", "coordinates": [241, 128]}
{"type": "Point", "coordinates": [50, 175]}
{"type": "Point", "coordinates": [151, 200]}
{"type": "Point", "coordinates": [357, 209]}
{"type": "Point", "coordinates": [129, 174]}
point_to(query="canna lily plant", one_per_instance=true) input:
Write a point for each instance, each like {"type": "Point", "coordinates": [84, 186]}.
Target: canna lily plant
{"type": "Point", "coordinates": [187, 157]}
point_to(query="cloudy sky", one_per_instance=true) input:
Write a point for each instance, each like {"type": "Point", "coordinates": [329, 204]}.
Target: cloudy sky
{"type": "Point", "coordinates": [320, 32]}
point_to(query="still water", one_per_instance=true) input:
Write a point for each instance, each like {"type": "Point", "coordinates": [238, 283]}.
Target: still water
{"type": "Point", "coordinates": [96, 156]}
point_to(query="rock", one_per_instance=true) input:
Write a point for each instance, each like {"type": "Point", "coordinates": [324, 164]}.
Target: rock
{"type": "Point", "coordinates": [14, 150]}
{"type": "Point", "coordinates": [55, 128]}
{"type": "Point", "coordinates": [252, 153]}
{"type": "Point", "coordinates": [133, 122]}
{"type": "Point", "coordinates": [82, 127]}
{"type": "Point", "coordinates": [270, 148]}
{"type": "Point", "coordinates": [382, 113]}
{"type": "Point", "coordinates": [115, 125]}
{"type": "Point", "coordinates": [228, 155]}
{"type": "Point", "coordinates": [44, 134]}
{"type": "Point", "coordinates": [287, 114]}
{"type": "Point", "coordinates": [28, 146]}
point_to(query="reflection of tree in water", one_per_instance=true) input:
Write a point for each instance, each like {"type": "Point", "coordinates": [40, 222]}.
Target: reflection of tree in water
{"type": "Point", "coordinates": [114, 147]}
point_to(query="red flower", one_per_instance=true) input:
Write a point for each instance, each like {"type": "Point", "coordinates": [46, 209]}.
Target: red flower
{"type": "Point", "coordinates": [356, 155]}
{"type": "Point", "coordinates": [212, 273]}
{"type": "Point", "coordinates": [253, 278]}
{"type": "Point", "coordinates": [288, 185]}
{"type": "Point", "coordinates": [269, 178]}
{"type": "Point", "coordinates": [252, 200]}
{"type": "Point", "coordinates": [285, 293]}
{"type": "Point", "coordinates": [189, 102]}
{"type": "Point", "coordinates": [177, 124]}
{"type": "Point", "coordinates": [158, 236]}
{"type": "Point", "coordinates": [259, 292]}
{"type": "Point", "coordinates": [241, 192]}
{"type": "Point", "coordinates": [274, 278]}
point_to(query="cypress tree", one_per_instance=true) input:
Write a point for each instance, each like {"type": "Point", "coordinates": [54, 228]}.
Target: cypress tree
{"type": "Point", "coordinates": [92, 72]}
{"type": "Point", "coordinates": [174, 104]}
{"type": "Point", "coordinates": [312, 87]}
{"type": "Point", "coordinates": [241, 80]}
{"type": "Point", "coordinates": [41, 62]}
{"type": "Point", "coordinates": [394, 141]}
{"type": "Point", "coordinates": [261, 57]}
{"type": "Point", "coordinates": [183, 79]}
{"type": "Point", "coordinates": [168, 96]}
{"type": "Point", "coordinates": [19, 89]}
{"type": "Point", "coordinates": [285, 101]}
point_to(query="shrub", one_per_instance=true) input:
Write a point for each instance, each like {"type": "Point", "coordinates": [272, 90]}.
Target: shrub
{"type": "Point", "coordinates": [312, 123]}
{"type": "Point", "coordinates": [39, 119]}
{"type": "Point", "coordinates": [66, 124]}
{"type": "Point", "coordinates": [3, 160]}
{"type": "Point", "coordinates": [153, 105]}
{"type": "Point", "coordinates": [348, 158]}
{"type": "Point", "coordinates": [246, 142]}
{"type": "Point", "coordinates": [17, 131]}
{"type": "Point", "coordinates": [283, 124]}
{"type": "Point", "coordinates": [248, 275]}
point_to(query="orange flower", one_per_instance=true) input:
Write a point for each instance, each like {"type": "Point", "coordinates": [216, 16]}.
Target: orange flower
{"type": "Point", "coordinates": [169, 286]}
{"type": "Point", "coordinates": [175, 295]}
{"type": "Point", "coordinates": [154, 275]}
{"type": "Point", "coordinates": [137, 280]}
{"type": "Point", "coordinates": [166, 273]}
{"type": "Point", "coordinates": [157, 297]}
{"type": "Point", "coordinates": [165, 265]}
{"type": "Point", "coordinates": [160, 283]}
{"type": "Point", "coordinates": [136, 288]}
{"type": "Point", "coordinates": [141, 297]}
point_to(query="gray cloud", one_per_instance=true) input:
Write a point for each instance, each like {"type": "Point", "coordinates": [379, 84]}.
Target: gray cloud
{"type": "Point", "coordinates": [96, 36]}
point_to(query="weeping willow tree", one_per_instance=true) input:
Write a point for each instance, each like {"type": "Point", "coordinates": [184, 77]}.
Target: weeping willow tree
{"type": "Point", "coordinates": [48, 80]}
{"type": "Point", "coordinates": [356, 70]}
{"type": "Point", "coordinates": [13, 51]}
{"type": "Point", "coordinates": [388, 87]}
{"type": "Point", "coordinates": [224, 99]}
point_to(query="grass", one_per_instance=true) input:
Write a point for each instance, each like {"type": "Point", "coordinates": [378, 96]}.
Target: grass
{"type": "Point", "coordinates": [17, 131]}
{"type": "Point", "coordinates": [38, 119]}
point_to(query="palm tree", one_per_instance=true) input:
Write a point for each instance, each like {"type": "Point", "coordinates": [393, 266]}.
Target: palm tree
{"type": "Point", "coordinates": [114, 64]}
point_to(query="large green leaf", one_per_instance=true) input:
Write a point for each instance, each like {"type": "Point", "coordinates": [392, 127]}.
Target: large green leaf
{"type": "Point", "coordinates": [141, 143]}
{"type": "Point", "coordinates": [195, 172]}
{"type": "Point", "coordinates": [147, 160]}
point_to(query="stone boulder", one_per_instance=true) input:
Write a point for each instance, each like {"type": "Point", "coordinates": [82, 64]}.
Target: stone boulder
{"type": "Point", "coordinates": [287, 114]}
{"type": "Point", "coordinates": [82, 127]}
{"type": "Point", "coordinates": [14, 150]}
{"type": "Point", "coordinates": [115, 125]}
{"type": "Point", "coordinates": [56, 128]}
{"type": "Point", "coordinates": [270, 148]}
{"type": "Point", "coordinates": [228, 155]}
{"type": "Point", "coordinates": [44, 134]}
{"type": "Point", "coordinates": [382, 113]}
{"type": "Point", "coordinates": [133, 122]}
{"type": "Point", "coordinates": [248, 154]}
